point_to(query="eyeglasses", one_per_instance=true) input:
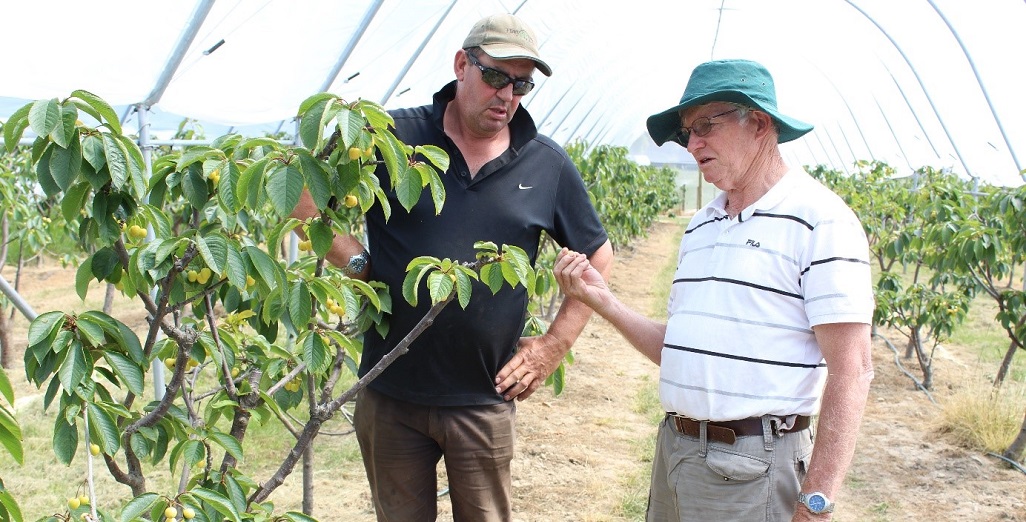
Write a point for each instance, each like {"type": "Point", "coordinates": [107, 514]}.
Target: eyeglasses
{"type": "Point", "coordinates": [701, 127]}
{"type": "Point", "coordinates": [498, 79]}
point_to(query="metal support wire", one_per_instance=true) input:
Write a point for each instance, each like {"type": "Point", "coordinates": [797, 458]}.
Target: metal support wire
{"type": "Point", "coordinates": [896, 140]}
{"type": "Point", "coordinates": [416, 54]}
{"type": "Point", "coordinates": [19, 303]}
{"type": "Point", "coordinates": [178, 53]}
{"type": "Point", "coordinates": [983, 88]}
{"type": "Point", "coordinates": [918, 79]}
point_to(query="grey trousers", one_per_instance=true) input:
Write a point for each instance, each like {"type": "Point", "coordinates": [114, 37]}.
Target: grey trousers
{"type": "Point", "coordinates": [755, 479]}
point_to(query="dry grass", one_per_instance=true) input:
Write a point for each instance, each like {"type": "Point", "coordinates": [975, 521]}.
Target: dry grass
{"type": "Point", "coordinates": [979, 417]}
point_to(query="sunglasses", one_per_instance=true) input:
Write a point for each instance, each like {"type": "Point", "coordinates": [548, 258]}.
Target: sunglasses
{"type": "Point", "coordinates": [498, 79]}
{"type": "Point", "coordinates": [701, 127]}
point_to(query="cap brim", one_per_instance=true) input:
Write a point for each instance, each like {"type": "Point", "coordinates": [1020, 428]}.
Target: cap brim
{"type": "Point", "coordinates": [504, 52]}
{"type": "Point", "coordinates": [663, 127]}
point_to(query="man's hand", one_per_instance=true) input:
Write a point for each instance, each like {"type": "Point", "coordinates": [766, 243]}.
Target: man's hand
{"type": "Point", "coordinates": [536, 359]}
{"type": "Point", "coordinates": [578, 279]}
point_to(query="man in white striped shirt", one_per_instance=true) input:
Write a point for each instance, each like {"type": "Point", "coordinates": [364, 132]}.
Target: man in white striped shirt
{"type": "Point", "coordinates": [768, 319]}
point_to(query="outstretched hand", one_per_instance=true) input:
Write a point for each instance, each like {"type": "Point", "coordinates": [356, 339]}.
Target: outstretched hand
{"type": "Point", "coordinates": [578, 279]}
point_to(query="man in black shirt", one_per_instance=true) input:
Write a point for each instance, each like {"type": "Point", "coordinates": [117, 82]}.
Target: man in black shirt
{"type": "Point", "coordinates": [451, 395]}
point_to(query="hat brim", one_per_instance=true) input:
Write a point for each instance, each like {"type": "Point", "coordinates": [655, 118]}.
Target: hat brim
{"type": "Point", "coordinates": [510, 52]}
{"type": "Point", "coordinates": [663, 127]}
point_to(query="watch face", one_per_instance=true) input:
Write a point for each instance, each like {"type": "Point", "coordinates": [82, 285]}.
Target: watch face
{"type": "Point", "coordinates": [817, 503]}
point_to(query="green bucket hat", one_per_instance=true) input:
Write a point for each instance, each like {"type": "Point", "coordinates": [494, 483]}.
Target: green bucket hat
{"type": "Point", "coordinates": [736, 81]}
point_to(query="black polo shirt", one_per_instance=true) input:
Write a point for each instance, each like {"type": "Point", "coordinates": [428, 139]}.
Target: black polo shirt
{"type": "Point", "coordinates": [533, 186]}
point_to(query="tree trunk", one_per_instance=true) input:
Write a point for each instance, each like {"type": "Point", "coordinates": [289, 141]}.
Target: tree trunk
{"type": "Point", "coordinates": [1006, 363]}
{"type": "Point", "coordinates": [916, 342]}
{"type": "Point", "coordinates": [308, 480]}
{"type": "Point", "coordinates": [910, 348]}
{"type": "Point", "coordinates": [1015, 451]}
{"type": "Point", "coordinates": [108, 299]}
{"type": "Point", "coordinates": [5, 340]}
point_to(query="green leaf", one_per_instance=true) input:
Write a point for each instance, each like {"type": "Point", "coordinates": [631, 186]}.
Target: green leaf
{"type": "Point", "coordinates": [435, 155]}
{"type": "Point", "coordinates": [464, 287]}
{"type": "Point", "coordinates": [375, 114]}
{"type": "Point", "coordinates": [299, 304]}
{"type": "Point", "coordinates": [491, 275]}
{"type": "Point", "coordinates": [265, 266]}
{"type": "Point", "coordinates": [321, 236]}
{"type": "Point", "coordinates": [136, 165]}
{"type": "Point", "coordinates": [65, 132]}
{"type": "Point", "coordinates": [74, 201]}
{"type": "Point", "coordinates": [5, 387]}
{"type": "Point", "coordinates": [296, 516]}
{"type": "Point", "coordinates": [229, 443]}
{"type": "Point", "coordinates": [93, 153]}
{"type": "Point", "coordinates": [284, 186]}
{"type": "Point", "coordinates": [44, 116]}
{"type": "Point", "coordinates": [409, 188]}
{"type": "Point", "coordinates": [191, 450]}
{"type": "Point", "coordinates": [117, 161]}
{"type": "Point", "coordinates": [74, 367]}
{"type": "Point", "coordinates": [222, 504]}
{"type": "Point", "coordinates": [103, 430]}
{"type": "Point", "coordinates": [90, 330]}
{"type": "Point", "coordinates": [65, 440]}
{"type": "Point", "coordinates": [15, 127]}
{"type": "Point", "coordinates": [194, 187]}
{"type": "Point", "coordinates": [317, 179]}
{"type": "Point", "coordinates": [412, 281]}
{"type": "Point", "coordinates": [13, 511]}
{"type": "Point", "coordinates": [437, 190]}
{"type": "Point", "coordinates": [101, 107]}
{"type": "Point", "coordinates": [137, 506]}
{"type": "Point", "coordinates": [226, 194]}
{"type": "Point", "coordinates": [43, 175]}
{"type": "Point", "coordinates": [197, 154]}
{"type": "Point", "coordinates": [311, 124]}
{"type": "Point", "coordinates": [127, 370]}
{"type": "Point", "coordinates": [440, 287]}
{"type": "Point", "coordinates": [392, 153]}
{"type": "Point", "coordinates": [214, 250]}
{"type": "Point", "coordinates": [315, 353]}
{"type": "Point", "coordinates": [84, 276]}
{"type": "Point", "coordinates": [45, 327]}
{"type": "Point", "coordinates": [11, 436]}
{"type": "Point", "coordinates": [104, 262]}
{"type": "Point", "coordinates": [313, 100]}
{"type": "Point", "coordinates": [351, 125]}
{"type": "Point", "coordinates": [235, 266]}
{"type": "Point", "coordinates": [66, 164]}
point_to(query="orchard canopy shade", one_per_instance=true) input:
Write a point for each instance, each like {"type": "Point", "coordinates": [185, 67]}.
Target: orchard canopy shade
{"type": "Point", "coordinates": [912, 83]}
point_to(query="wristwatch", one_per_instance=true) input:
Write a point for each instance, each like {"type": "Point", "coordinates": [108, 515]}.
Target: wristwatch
{"type": "Point", "coordinates": [817, 502]}
{"type": "Point", "coordinates": [356, 264]}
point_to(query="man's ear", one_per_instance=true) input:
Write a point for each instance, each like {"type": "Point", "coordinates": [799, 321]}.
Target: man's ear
{"type": "Point", "coordinates": [459, 64]}
{"type": "Point", "coordinates": [764, 123]}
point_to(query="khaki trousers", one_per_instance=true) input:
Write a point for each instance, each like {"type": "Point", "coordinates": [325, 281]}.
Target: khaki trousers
{"type": "Point", "coordinates": [755, 479]}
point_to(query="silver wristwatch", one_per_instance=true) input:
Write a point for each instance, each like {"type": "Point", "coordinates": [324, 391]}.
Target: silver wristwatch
{"type": "Point", "coordinates": [817, 502]}
{"type": "Point", "coordinates": [356, 264]}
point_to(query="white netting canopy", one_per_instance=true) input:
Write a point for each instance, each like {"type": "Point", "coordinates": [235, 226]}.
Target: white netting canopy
{"type": "Point", "coordinates": [912, 83]}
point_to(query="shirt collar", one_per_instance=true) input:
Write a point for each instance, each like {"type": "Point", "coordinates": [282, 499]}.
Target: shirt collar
{"type": "Point", "coordinates": [769, 200]}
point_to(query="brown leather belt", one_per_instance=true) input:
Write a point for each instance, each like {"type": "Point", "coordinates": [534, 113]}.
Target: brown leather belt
{"type": "Point", "coordinates": [727, 432]}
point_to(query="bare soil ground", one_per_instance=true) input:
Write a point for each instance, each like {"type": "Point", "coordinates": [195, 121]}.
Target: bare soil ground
{"type": "Point", "coordinates": [583, 454]}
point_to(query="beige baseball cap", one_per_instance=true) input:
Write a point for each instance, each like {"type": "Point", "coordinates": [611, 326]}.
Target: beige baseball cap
{"type": "Point", "coordinates": [506, 37]}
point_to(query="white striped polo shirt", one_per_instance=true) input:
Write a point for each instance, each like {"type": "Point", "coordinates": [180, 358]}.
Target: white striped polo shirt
{"type": "Point", "coordinates": [746, 294]}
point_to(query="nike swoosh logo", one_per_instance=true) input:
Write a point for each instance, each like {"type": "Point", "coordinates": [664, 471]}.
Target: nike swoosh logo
{"type": "Point", "coordinates": [522, 187]}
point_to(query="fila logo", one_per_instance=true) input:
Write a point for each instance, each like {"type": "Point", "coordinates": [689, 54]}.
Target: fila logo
{"type": "Point", "coordinates": [752, 243]}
